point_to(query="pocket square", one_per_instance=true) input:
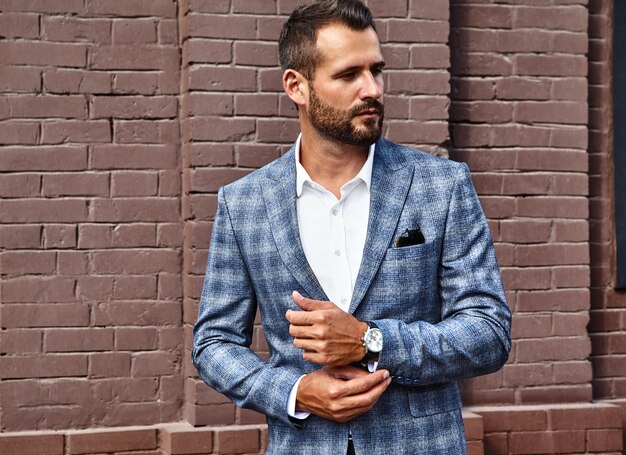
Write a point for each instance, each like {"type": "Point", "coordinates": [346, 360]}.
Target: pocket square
{"type": "Point", "coordinates": [410, 237]}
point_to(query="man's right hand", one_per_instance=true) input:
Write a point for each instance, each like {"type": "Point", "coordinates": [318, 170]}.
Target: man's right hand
{"type": "Point", "coordinates": [340, 393]}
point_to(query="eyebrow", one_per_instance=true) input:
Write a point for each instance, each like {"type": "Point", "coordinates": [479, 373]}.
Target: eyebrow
{"type": "Point", "coordinates": [378, 65]}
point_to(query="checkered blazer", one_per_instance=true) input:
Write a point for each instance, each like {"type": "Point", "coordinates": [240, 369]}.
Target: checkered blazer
{"type": "Point", "coordinates": [440, 304]}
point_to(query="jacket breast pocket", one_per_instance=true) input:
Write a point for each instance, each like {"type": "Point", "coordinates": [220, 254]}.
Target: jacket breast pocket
{"type": "Point", "coordinates": [406, 287]}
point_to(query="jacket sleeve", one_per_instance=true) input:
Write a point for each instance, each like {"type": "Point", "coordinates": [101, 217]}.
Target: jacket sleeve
{"type": "Point", "coordinates": [473, 336]}
{"type": "Point", "coordinates": [223, 331]}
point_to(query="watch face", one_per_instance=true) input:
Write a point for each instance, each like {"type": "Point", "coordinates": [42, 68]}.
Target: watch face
{"type": "Point", "coordinates": [374, 340]}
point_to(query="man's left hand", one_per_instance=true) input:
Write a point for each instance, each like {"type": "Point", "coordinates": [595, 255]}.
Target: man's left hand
{"type": "Point", "coordinates": [327, 334]}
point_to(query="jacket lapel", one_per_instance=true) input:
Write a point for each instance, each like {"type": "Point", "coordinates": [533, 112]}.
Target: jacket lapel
{"type": "Point", "coordinates": [279, 193]}
{"type": "Point", "coordinates": [391, 179]}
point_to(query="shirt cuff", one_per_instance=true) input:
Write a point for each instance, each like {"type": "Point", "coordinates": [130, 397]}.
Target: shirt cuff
{"type": "Point", "coordinates": [372, 366]}
{"type": "Point", "coordinates": [291, 404]}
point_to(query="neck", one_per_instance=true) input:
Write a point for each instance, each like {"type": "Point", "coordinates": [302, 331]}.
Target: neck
{"type": "Point", "coordinates": [329, 163]}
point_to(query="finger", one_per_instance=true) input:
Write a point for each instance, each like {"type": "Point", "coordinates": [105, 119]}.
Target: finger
{"type": "Point", "coordinates": [309, 304]}
{"type": "Point", "coordinates": [363, 385]}
{"type": "Point", "coordinates": [301, 331]}
{"type": "Point", "coordinates": [350, 372]}
{"type": "Point", "coordinates": [300, 317]}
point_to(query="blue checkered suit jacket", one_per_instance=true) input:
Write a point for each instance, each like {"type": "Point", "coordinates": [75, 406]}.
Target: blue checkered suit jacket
{"type": "Point", "coordinates": [440, 305]}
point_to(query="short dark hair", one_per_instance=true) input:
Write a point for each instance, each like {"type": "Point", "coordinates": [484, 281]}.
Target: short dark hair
{"type": "Point", "coordinates": [297, 43]}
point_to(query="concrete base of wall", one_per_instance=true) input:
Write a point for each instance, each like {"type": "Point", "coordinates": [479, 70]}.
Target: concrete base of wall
{"type": "Point", "coordinates": [550, 429]}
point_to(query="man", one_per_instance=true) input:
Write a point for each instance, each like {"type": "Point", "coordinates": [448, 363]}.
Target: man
{"type": "Point", "coordinates": [371, 264]}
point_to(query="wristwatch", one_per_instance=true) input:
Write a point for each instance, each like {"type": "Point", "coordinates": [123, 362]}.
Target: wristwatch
{"type": "Point", "coordinates": [373, 341]}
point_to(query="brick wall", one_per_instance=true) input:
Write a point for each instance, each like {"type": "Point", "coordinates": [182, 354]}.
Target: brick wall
{"type": "Point", "coordinates": [608, 324]}
{"type": "Point", "coordinates": [119, 121]}
{"type": "Point", "coordinates": [519, 119]}
{"type": "Point", "coordinates": [90, 228]}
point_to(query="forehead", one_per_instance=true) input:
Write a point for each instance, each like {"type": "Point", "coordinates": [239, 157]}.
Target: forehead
{"type": "Point", "coordinates": [340, 46]}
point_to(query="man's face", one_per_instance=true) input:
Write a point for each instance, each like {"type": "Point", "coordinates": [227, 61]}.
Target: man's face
{"type": "Point", "coordinates": [346, 94]}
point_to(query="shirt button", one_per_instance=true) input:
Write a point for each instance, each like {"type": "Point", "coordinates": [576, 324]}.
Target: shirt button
{"type": "Point", "coordinates": [337, 253]}
{"type": "Point", "coordinates": [335, 212]}
{"type": "Point", "coordinates": [344, 301]}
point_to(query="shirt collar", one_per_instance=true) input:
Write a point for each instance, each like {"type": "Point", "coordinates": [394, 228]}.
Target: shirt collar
{"type": "Point", "coordinates": [302, 176]}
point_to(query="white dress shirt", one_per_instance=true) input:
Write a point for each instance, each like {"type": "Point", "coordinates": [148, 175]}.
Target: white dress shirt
{"type": "Point", "coordinates": [332, 232]}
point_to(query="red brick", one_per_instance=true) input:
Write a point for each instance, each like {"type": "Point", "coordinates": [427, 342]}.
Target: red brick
{"type": "Point", "coordinates": [570, 277]}
{"type": "Point", "coordinates": [154, 364]}
{"type": "Point", "coordinates": [128, 183]}
{"type": "Point", "coordinates": [526, 278]}
{"type": "Point", "coordinates": [20, 236]}
{"type": "Point", "coordinates": [518, 88]}
{"type": "Point", "coordinates": [170, 183]}
{"type": "Point", "coordinates": [44, 315]}
{"type": "Point", "coordinates": [604, 440]}
{"type": "Point", "coordinates": [135, 83]}
{"type": "Point", "coordinates": [135, 339]}
{"type": "Point", "coordinates": [587, 416]}
{"type": "Point", "coordinates": [26, 106]}
{"type": "Point", "coordinates": [61, 80]}
{"type": "Point", "coordinates": [222, 26]}
{"type": "Point", "coordinates": [526, 375]}
{"type": "Point", "coordinates": [128, 57]}
{"type": "Point", "coordinates": [73, 340]}
{"type": "Point", "coordinates": [257, 104]}
{"type": "Point", "coordinates": [72, 29]}
{"type": "Point", "coordinates": [547, 159]}
{"type": "Point", "coordinates": [547, 442]}
{"type": "Point", "coordinates": [554, 300]}
{"type": "Point", "coordinates": [43, 366]}
{"type": "Point", "coordinates": [481, 112]}
{"type": "Point", "coordinates": [551, 112]}
{"type": "Point", "coordinates": [562, 348]}
{"type": "Point", "coordinates": [131, 156]}
{"type": "Point", "coordinates": [572, 18]}
{"type": "Point", "coordinates": [429, 10]}
{"type": "Point", "coordinates": [41, 443]}
{"type": "Point", "coordinates": [236, 440]}
{"type": "Point", "coordinates": [19, 25]}
{"type": "Point", "coordinates": [210, 180]}
{"type": "Point", "coordinates": [572, 372]}
{"type": "Point", "coordinates": [135, 209]}
{"type": "Point", "coordinates": [28, 262]}
{"type": "Point", "coordinates": [514, 419]}
{"type": "Point", "coordinates": [47, 392]}
{"type": "Point", "coordinates": [19, 185]}
{"type": "Point", "coordinates": [484, 16]}
{"type": "Point", "coordinates": [169, 287]}
{"type": "Point", "coordinates": [94, 288]}
{"type": "Point", "coordinates": [38, 210]}
{"type": "Point", "coordinates": [129, 107]}
{"type": "Point", "coordinates": [563, 207]}
{"type": "Point", "coordinates": [185, 439]}
{"type": "Point", "coordinates": [20, 78]}
{"type": "Point", "coordinates": [136, 313]}
{"type": "Point", "coordinates": [130, 31]}
{"type": "Point", "coordinates": [472, 89]}
{"type": "Point", "coordinates": [135, 288]}
{"type": "Point", "coordinates": [72, 263]}
{"type": "Point", "coordinates": [548, 65]}
{"type": "Point", "coordinates": [41, 53]}
{"type": "Point", "coordinates": [255, 54]}
{"type": "Point", "coordinates": [64, 131]}
{"type": "Point", "coordinates": [109, 364]}
{"type": "Point", "coordinates": [256, 155]}
{"type": "Point", "coordinates": [159, 8]}
{"type": "Point", "coordinates": [109, 440]}
{"type": "Point", "coordinates": [207, 51]}
{"type": "Point", "coordinates": [145, 131]}
{"type": "Point", "coordinates": [20, 342]}
{"type": "Point", "coordinates": [552, 254]}
{"type": "Point", "coordinates": [223, 79]}
{"type": "Point", "coordinates": [417, 82]}
{"type": "Point", "coordinates": [169, 235]}
{"type": "Point", "coordinates": [126, 390]}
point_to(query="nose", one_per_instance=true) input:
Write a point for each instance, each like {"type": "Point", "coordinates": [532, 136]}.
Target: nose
{"type": "Point", "coordinates": [372, 86]}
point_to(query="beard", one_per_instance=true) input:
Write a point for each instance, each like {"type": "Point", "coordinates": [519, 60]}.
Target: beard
{"type": "Point", "coordinates": [336, 124]}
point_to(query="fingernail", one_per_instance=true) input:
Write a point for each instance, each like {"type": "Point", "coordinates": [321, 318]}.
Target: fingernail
{"type": "Point", "coordinates": [296, 295]}
{"type": "Point", "coordinates": [385, 374]}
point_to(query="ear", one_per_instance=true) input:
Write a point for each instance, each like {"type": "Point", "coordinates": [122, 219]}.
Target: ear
{"type": "Point", "coordinates": [296, 87]}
